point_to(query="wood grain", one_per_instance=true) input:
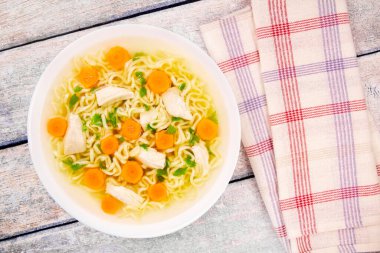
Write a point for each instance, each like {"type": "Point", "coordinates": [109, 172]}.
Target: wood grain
{"type": "Point", "coordinates": [236, 223]}
{"type": "Point", "coordinates": [21, 67]}
{"type": "Point", "coordinates": [40, 19]}
{"type": "Point", "coordinates": [25, 205]}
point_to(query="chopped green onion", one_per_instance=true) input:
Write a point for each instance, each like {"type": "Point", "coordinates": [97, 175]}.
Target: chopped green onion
{"type": "Point", "coordinates": [214, 117]}
{"type": "Point", "coordinates": [176, 118]}
{"type": "Point", "coordinates": [73, 100]}
{"type": "Point", "coordinates": [77, 89]}
{"type": "Point", "coordinates": [139, 74]}
{"type": "Point", "coordinates": [74, 166]}
{"type": "Point", "coordinates": [97, 120]}
{"type": "Point", "coordinates": [142, 80]}
{"type": "Point", "coordinates": [149, 127]}
{"type": "Point", "coordinates": [121, 139]}
{"type": "Point", "coordinates": [144, 146]}
{"type": "Point", "coordinates": [147, 107]}
{"type": "Point", "coordinates": [180, 172]}
{"type": "Point", "coordinates": [113, 118]}
{"type": "Point", "coordinates": [102, 165]}
{"type": "Point", "coordinates": [193, 137]}
{"type": "Point", "coordinates": [190, 162]}
{"type": "Point", "coordinates": [182, 86]}
{"type": "Point", "coordinates": [171, 130]}
{"type": "Point", "coordinates": [142, 91]}
{"type": "Point", "coordinates": [136, 56]}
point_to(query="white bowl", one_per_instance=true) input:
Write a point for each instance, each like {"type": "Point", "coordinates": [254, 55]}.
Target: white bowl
{"type": "Point", "coordinates": [80, 204]}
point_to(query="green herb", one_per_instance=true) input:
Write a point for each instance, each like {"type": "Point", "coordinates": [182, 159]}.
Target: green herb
{"type": "Point", "coordinates": [97, 136]}
{"type": "Point", "coordinates": [77, 89]}
{"type": "Point", "coordinates": [160, 178]}
{"type": "Point", "coordinates": [77, 166]}
{"type": "Point", "coordinates": [182, 86]}
{"type": "Point", "coordinates": [139, 74]}
{"type": "Point", "coordinates": [160, 173]}
{"type": "Point", "coordinates": [73, 100]}
{"type": "Point", "coordinates": [193, 137]}
{"type": "Point", "coordinates": [144, 146]}
{"type": "Point", "coordinates": [99, 147]}
{"type": "Point", "coordinates": [102, 165]}
{"type": "Point", "coordinates": [147, 107]}
{"type": "Point", "coordinates": [180, 172]}
{"type": "Point", "coordinates": [149, 127]}
{"type": "Point", "coordinates": [190, 162]}
{"type": "Point", "coordinates": [84, 127]}
{"type": "Point", "coordinates": [74, 166]}
{"type": "Point", "coordinates": [142, 91]}
{"type": "Point", "coordinates": [136, 56]}
{"type": "Point", "coordinates": [214, 117]}
{"type": "Point", "coordinates": [112, 118]}
{"type": "Point", "coordinates": [97, 120]}
{"type": "Point", "coordinates": [142, 80]}
{"type": "Point", "coordinates": [121, 139]}
{"type": "Point", "coordinates": [171, 130]}
{"type": "Point", "coordinates": [93, 89]}
{"type": "Point", "coordinates": [176, 118]}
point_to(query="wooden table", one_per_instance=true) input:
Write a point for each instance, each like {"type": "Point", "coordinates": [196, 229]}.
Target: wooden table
{"type": "Point", "coordinates": [33, 32]}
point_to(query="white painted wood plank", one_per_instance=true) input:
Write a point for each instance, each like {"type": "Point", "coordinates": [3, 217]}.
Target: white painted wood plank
{"type": "Point", "coordinates": [25, 205]}
{"type": "Point", "coordinates": [237, 223]}
{"type": "Point", "coordinates": [24, 21]}
{"type": "Point", "coordinates": [21, 67]}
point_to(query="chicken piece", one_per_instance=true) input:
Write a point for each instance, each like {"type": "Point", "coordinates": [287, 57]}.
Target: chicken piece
{"type": "Point", "coordinates": [147, 117]}
{"type": "Point", "coordinates": [175, 104]}
{"type": "Point", "coordinates": [152, 158]}
{"type": "Point", "coordinates": [75, 140]}
{"type": "Point", "coordinates": [128, 197]}
{"type": "Point", "coordinates": [112, 94]}
{"type": "Point", "coordinates": [201, 156]}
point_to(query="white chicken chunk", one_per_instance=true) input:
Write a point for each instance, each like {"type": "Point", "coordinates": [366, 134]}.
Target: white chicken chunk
{"type": "Point", "coordinates": [112, 94]}
{"type": "Point", "coordinates": [128, 197]}
{"type": "Point", "coordinates": [201, 156]}
{"type": "Point", "coordinates": [74, 141]}
{"type": "Point", "coordinates": [152, 158]}
{"type": "Point", "coordinates": [147, 117]}
{"type": "Point", "coordinates": [175, 104]}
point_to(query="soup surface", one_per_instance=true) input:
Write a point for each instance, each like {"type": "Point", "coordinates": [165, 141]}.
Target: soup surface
{"type": "Point", "coordinates": [138, 131]}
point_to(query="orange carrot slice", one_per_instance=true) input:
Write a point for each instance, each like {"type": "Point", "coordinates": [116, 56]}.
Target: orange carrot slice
{"type": "Point", "coordinates": [207, 129]}
{"type": "Point", "coordinates": [132, 172]}
{"type": "Point", "coordinates": [158, 192]}
{"type": "Point", "coordinates": [164, 140]}
{"type": "Point", "coordinates": [131, 130]}
{"type": "Point", "coordinates": [158, 81]}
{"type": "Point", "coordinates": [109, 145]}
{"type": "Point", "coordinates": [117, 57]}
{"type": "Point", "coordinates": [57, 127]}
{"type": "Point", "coordinates": [110, 204]}
{"type": "Point", "coordinates": [88, 76]}
{"type": "Point", "coordinates": [94, 178]}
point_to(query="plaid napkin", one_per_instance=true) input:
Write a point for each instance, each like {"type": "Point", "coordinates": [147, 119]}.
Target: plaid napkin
{"type": "Point", "coordinates": [305, 127]}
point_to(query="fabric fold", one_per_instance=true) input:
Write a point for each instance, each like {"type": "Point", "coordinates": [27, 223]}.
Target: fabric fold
{"type": "Point", "coordinates": [305, 126]}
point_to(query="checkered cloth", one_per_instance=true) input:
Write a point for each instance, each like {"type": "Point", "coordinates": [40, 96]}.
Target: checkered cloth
{"type": "Point", "coordinates": [305, 127]}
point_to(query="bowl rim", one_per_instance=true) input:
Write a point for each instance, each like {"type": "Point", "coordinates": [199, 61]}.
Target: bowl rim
{"type": "Point", "coordinates": [186, 217]}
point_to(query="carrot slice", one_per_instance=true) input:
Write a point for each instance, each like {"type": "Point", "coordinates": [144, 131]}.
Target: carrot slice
{"type": "Point", "coordinates": [117, 57]}
{"type": "Point", "coordinates": [94, 178]}
{"type": "Point", "coordinates": [109, 145]}
{"type": "Point", "coordinates": [110, 204]}
{"type": "Point", "coordinates": [132, 172]}
{"type": "Point", "coordinates": [158, 81]}
{"type": "Point", "coordinates": [158, 192]}
{"type": "Point", "coordinates": [207, 129]}
{"type": "Point", "coordinates": [88, 76]}
{"type": "Point", "coordinates": [57, 127]}
{"type": "Point", "coordinates": [131, 130]}
{"type": "Point", "coordinates": [164, 140]}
